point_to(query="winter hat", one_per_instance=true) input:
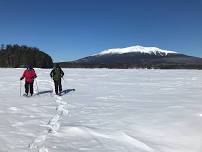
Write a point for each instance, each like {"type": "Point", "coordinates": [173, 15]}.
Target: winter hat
{"type": "Point", "coordinates": [57, 65]}
{"type": "Point", "coordinates": [29, 66]}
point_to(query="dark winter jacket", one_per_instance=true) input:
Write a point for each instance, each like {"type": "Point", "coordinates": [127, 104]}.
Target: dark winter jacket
{"type": "Point", "coordinates": [29, 75]}
{"type": "Point", "coordinates": [56, 74]}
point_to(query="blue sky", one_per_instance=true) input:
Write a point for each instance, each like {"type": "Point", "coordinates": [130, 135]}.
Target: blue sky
{"type": "Point", "coordinates": [71, 29]}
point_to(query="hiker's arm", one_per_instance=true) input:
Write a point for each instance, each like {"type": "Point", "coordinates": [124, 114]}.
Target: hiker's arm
{"type": "Point", "coordinates": [35, 76]}
{"type": "Point", "coordinates": [62, 73]}
{"type": "Point", "coordinates": [22, 77]}
{"type": "Point", "coordinates": [51, 74]}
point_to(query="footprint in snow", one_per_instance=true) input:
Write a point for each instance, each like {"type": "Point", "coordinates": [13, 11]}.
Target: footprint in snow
{"type": "Point", "coordinates": [18, 124]}
{"type": "Point", "coordinates": [13, 109]}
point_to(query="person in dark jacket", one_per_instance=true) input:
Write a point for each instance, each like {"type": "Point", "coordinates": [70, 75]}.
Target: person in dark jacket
{"type": "Point", "coordinates": [29, 75]}
{"type": "Point", "coordinates": [56, 74]}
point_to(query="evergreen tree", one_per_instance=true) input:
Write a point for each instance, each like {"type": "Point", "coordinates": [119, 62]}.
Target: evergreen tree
{"type": "Point", "coordinates": [20, 56]}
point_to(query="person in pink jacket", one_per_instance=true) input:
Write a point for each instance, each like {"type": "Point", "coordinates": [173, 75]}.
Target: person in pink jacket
{"type": "Point", "coordinates": [29, 75]}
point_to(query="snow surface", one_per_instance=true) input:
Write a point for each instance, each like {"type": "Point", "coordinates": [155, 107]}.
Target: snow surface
{"type": "Point", "coordinates": [109, 111]}
{"type": "Point", "coordinates": [137, 48]}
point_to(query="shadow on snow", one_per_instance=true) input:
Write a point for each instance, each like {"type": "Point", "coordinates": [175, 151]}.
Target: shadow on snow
{"type": "Point", "coordinates": [66, 91]}
{"type": "Point", "coordinates": [51, 91]}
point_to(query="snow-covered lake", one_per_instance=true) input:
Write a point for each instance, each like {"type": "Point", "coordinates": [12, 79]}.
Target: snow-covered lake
{"type": "Point", "coordinates": [109, 111]}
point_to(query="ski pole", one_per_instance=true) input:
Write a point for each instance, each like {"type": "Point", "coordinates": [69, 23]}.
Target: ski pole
{"type": "Point", "coordinates": [52, 85]}
{"type": "Point", "coordinates": [63, 79]}
{"type": "Point", "coordinates": [37, 87]}
{"type": "Point", "coordinates": [20, 87]}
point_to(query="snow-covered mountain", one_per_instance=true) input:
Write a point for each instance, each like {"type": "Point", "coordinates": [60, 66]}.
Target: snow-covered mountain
{"type": "Point", "coordinates": [137, 49]}
{"type": "Point", "coordinates": [137, 57]}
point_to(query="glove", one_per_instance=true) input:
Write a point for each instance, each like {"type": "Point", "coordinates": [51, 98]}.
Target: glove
{"type": "Point", "coordinates": [21, 78]}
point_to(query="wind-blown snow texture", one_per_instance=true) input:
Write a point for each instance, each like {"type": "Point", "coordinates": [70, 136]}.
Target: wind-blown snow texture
{"type": "Point", "coordinates": [137, 48]}
{"type": "Point", "coordinates": [110, 111]}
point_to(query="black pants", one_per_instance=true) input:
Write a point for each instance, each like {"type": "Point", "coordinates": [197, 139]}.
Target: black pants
{"type": "Point", "coordinates": [29, 87]}
{"type": "Point", "coordinates": [58, 85]}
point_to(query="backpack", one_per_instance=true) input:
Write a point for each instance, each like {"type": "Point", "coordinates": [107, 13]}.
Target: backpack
{"type": "Point", "coordinates": [57, 74]}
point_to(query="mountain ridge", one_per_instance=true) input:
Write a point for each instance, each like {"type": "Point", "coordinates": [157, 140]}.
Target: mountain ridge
{"type": "Point", "coordinates": [136, 48]}
{"type": "Point", "coordinates": [137, 57]}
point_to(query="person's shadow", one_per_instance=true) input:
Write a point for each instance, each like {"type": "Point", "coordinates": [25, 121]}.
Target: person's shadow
{"type": "Point", "coordinates": [44, 92]}
{"type": "Point", "coordinates": [66, 91]}
{"type": "Point", "coordinates": [51, 91]}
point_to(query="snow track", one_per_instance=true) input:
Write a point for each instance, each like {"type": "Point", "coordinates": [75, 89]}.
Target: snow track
{"type": "Point", "coordinates": [111, 111]}
{"type": "Point", "coordinates": [53, 125]}
{"type": "Point", "coordinates": [101, 136]}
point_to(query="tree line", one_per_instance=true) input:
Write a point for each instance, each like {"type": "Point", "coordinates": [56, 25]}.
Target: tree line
{"type": "Point", "coordinates": [21, 55]}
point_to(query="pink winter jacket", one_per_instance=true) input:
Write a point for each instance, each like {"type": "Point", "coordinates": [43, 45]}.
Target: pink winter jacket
{"type": "Point", "coordinates": [29, 75]}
